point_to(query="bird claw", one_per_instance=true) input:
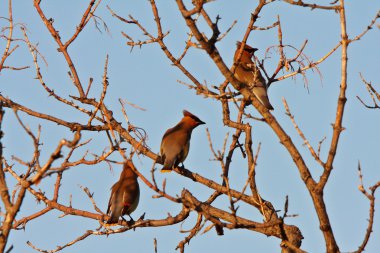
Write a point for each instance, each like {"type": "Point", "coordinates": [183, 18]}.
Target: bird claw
{"type": "Point", "coordinates": [131, 222]}
{"type": "Point", "coordinates": [142, 217]}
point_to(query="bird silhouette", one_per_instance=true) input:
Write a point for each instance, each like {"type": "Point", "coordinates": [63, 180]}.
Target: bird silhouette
{"type": "Point", "coordinates": [125, 195]}
{"type": "Point", "coordinates": [175, 143]}
{"type": "Point", "coordinates": [249, 74]}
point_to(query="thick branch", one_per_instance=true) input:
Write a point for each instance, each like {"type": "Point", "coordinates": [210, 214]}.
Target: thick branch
{"type": "Point", "coordinates": [271, 121]}
{"type": "Point", "coordinates": [268, 228]}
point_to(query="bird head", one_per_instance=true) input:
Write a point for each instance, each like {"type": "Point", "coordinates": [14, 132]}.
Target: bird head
{"type": "Point", "coordinates": [247, 48]}
{"type": "Point", "coordinates": [128, 171]}
{"type": "Point", "coordinates": [191, 119]}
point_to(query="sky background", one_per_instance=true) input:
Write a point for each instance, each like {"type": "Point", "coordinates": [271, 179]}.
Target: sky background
{"type": "Point", "coordinates": [146, 77]}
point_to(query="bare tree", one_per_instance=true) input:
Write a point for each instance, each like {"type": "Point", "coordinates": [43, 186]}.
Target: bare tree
{"type": "Point", "coordinates": [235, 100]}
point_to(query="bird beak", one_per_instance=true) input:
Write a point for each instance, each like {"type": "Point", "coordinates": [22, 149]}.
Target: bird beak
{"type": "Point", "coordinates": [201, 123]}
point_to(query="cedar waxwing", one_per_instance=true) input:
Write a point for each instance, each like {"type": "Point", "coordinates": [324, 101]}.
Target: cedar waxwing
{"type": "Point", "coordinates": [125, 195]}
{"type": "Point", "coordinates": [176, 141]}
{"type": "Point", "coordinates": [248, 73]}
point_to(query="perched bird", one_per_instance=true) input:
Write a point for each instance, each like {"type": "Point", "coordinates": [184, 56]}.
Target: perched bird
{"type": "Point", "coordinates": [176, 141]}
{"type": "Point", "coordinates": [125, 195]}
{"type": "Point", "coordinates": [248, 73]}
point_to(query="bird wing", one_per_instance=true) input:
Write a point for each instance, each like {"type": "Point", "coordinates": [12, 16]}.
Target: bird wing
{"type": "Point", "coordinates": [172, 130]}
{"type": "Point", "coordinates": [114, 206]}
{"type": "Point", "coordinates": [174, 145]}
{"type": "Point", "coordinates": [249, 74]}
{"type": "Point", "coordinates": [259, 79]}
{"type": "Point", "coordinates": [131, 196]}
{"type": "Point", "coordinates": [246, 66]}
{"type": "Point", "coordinates": [262, 96]}
{"type": "Point", "coordinates": [112, 197]}
{"type": "Point", "coordinates": [169, 138]}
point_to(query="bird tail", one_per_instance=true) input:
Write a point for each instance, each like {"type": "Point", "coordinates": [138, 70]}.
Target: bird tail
{"type": "Point", "coordinates": [113, 219]}
{"type": "Point", "coordinates": [262, 96]}
{"type": "Point", "coordinates": [168, 165]}
{"type": "Point", "coordinates": [267, 104]}
{"type": "Point", "coordinates": [166, 169]}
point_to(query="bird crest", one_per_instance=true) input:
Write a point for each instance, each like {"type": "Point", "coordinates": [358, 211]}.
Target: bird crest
{"type": "Point", "coordinates": [246, 47]}
{"type": "Point", "coordinates": [195, 118]}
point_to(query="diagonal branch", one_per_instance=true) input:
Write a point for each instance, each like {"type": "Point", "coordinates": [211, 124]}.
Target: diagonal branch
{"type": "Point", "coordinates": [62, 47]}
{"type": "Point", "coordinates": [271, 121]}
{"type": "Point", "coordinates": [88, 14]}
{"type": "Point", "coordinates": [301, 134]}
{"type": "Point", "coordinates": [267, 228]}
{"type": "Point", "coordinates": [371, 197]}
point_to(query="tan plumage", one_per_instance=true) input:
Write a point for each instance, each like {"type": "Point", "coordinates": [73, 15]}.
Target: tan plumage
{"type": "Point", "coordinates": [248, 73]}
{"type": "Point", "coordinates": [125, 194]}
{"type": "Point", "coordinates": [175, 143]}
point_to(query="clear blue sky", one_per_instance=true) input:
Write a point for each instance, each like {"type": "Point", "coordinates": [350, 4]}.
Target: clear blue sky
{"type": "Point", "coordinates": [145, 77]}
